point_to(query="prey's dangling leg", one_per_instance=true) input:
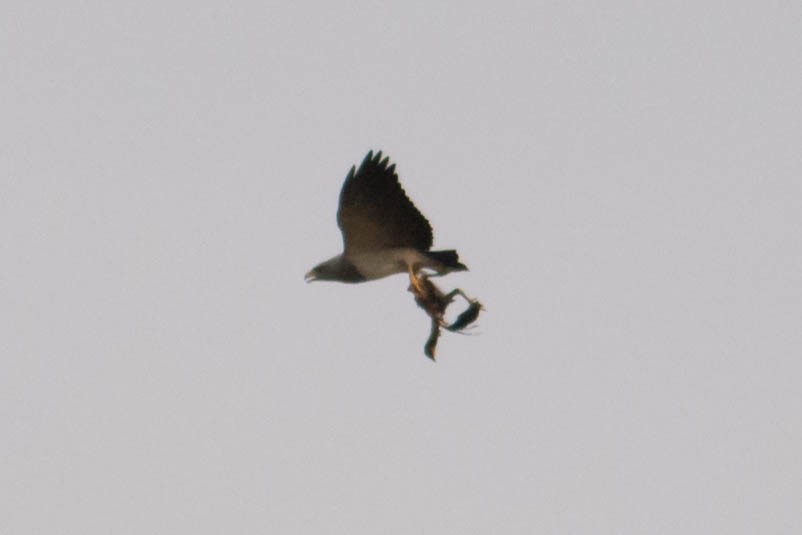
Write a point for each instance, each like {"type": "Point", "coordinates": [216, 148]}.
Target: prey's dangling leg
{"type": "Point", "coordinates": [453, 293]}
{"type": "Point", "coordinates": [469, 315]}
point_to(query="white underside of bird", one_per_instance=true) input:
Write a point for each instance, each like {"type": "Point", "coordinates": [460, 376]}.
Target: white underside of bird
{"type": "Point", "coordinates": [378, 264]}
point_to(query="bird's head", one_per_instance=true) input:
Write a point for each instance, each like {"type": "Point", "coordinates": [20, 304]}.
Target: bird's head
{"type": "Point", "coordinates": [334, 269]}
{"type": "Point", "coordinates": [325, 271]}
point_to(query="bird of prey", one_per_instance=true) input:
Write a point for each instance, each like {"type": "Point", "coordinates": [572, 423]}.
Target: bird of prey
{"type": "Point", "coordinates": [383, 232]}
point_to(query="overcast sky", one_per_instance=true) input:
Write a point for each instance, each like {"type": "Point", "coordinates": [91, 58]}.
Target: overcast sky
{"type": "Point", "coordinates": [624, 180]}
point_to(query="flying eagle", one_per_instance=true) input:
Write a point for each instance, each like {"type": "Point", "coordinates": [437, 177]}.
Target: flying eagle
{"type": "Point", "coordinates": [383, 232]}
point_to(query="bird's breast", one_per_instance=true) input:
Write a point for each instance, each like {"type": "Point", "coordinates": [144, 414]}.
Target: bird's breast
{"type": "Point", "coordinates": [377, 264]}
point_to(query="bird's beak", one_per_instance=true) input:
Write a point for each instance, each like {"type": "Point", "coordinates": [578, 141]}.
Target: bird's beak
{"type": "Point", "coordinates": [309, 277]}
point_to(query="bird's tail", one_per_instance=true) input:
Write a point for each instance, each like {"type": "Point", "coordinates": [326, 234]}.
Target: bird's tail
{"type": "Point", "coordinates": [449, 259]}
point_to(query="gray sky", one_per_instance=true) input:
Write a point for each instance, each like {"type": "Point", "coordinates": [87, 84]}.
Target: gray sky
{"type": "Point", "coordinates": [622, 178]}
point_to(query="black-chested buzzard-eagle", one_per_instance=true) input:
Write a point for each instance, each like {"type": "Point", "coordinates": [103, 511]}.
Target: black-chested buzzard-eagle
{"type": "Point", "coordinates": [384, 234]}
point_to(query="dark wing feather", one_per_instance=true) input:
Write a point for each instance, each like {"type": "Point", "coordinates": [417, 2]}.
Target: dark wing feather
{"type": "Point", "coordinates": [375, 212]}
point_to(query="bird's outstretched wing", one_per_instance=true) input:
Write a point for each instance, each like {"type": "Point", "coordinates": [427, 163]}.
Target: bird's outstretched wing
{"type": "Point", "coordinates": [375, 212]}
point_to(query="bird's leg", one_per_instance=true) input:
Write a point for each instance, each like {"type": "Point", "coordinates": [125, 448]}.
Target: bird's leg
{"type": "Point", "coordinates": [413, 279]}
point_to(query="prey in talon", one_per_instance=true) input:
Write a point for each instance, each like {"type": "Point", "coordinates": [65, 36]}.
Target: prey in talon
{"type": "Point", "coordinates": [434, 302]}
